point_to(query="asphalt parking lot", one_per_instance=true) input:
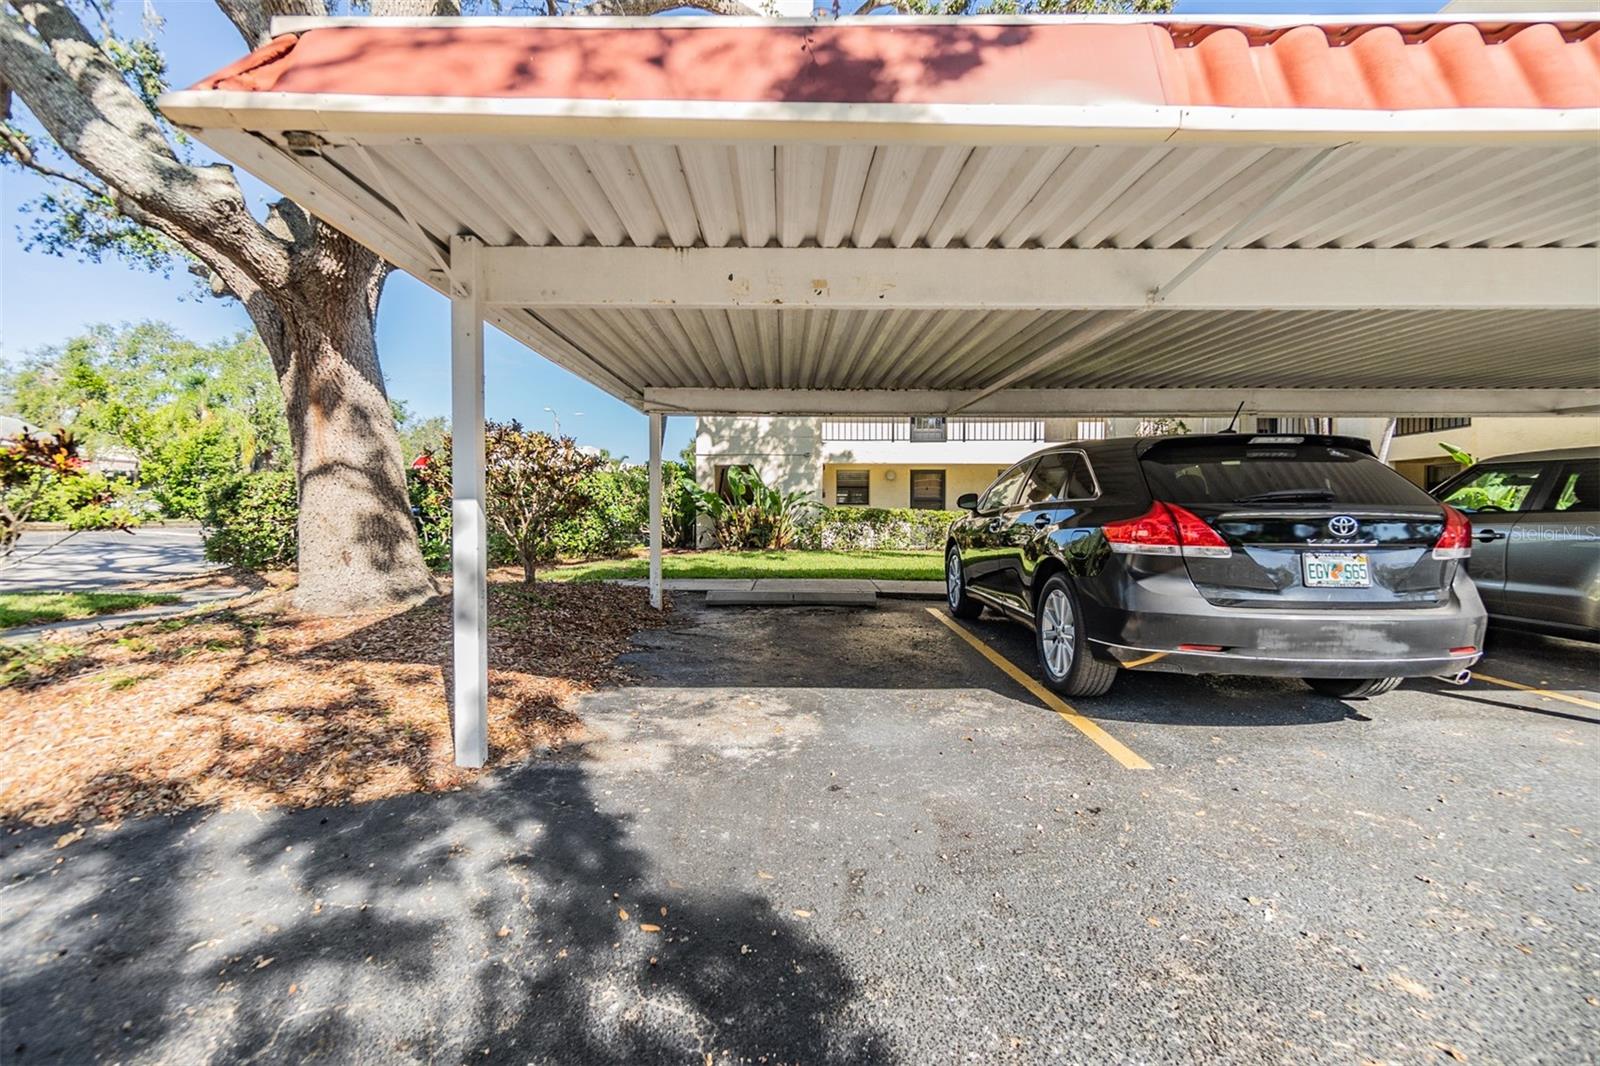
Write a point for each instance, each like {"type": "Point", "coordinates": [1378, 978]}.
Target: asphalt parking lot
{"type": "Point", "coordinates": [59, 560]}
{"type": "Point", "coordinates": [835, 836]}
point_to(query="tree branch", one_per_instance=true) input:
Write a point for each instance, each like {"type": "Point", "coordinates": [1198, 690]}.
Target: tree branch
{"type": "Point", "coordinates": [414, 8]}
{"type": "Point", "coordinates": [655, 7]}
{"type": "Point", "coordinates": [79, 97]}
{"type": "Point", "coordinates": [19, 150]}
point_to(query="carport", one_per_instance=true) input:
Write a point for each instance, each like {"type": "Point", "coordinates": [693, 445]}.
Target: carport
{"type": "Point", "coordinates": [1006, 216]}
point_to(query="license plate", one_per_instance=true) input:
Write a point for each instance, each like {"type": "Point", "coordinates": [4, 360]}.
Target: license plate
{"type": "Point", "coordinates": [1343, 571]}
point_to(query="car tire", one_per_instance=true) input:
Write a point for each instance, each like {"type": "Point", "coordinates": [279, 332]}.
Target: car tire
{"type": "Point", "coordinates": [956, 599]}
{"type": "Point", "coordinates": [1344, 688]}
{"type": "Point", "coordinates": [1064, 658]}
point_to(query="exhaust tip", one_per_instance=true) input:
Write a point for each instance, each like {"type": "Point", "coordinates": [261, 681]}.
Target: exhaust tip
{"type": "Point", "coordinates": [1460, 677]}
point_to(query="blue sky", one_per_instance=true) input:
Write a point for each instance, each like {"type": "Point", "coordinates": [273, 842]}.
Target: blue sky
{"type": "Point", "coordinates": [44, 299]}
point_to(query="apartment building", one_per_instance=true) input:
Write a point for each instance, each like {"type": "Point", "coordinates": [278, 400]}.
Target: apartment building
{"type": "Point", "coordinates": [929, 461]}
{"type": "Point", "coordinates": [924, 462]}
{"type": "Point", "coordinates": [1416, 447]}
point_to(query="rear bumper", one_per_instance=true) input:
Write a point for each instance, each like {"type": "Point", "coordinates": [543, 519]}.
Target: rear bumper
{"type": "Point", "coordinates": [1163, 612]}
{"type": "Point", "coordinates": [1230, 662]}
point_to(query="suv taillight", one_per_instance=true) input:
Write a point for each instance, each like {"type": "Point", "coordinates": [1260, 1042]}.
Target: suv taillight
{"type": "Point", "coordinates": [1456, 540]}
{"type": "Point", "coordinates": [1166, 529]}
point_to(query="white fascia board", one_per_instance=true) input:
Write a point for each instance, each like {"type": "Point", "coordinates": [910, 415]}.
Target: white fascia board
{"type": "Point", "coordinates": [1032, 279]}
{"type": "Point", "coordinates": [369, 118]}
{"type": "Point", "coordinates": [917, 453]}
{"type": "Point", "coordinates": [1050, 403]}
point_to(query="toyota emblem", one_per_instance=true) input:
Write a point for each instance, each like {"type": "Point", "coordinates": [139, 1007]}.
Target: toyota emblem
{"type": "Point", "coordinates": [1343, 526]}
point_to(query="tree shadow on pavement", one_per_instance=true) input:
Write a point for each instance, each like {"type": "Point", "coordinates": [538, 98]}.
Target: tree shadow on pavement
{"type": "Point", "coordinates": [513, 922]}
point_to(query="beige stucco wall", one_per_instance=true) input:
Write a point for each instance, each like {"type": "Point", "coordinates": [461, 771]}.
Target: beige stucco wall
{"type": "Point", "coordinates": [1489, 437]}
{"type": "Point", "coordinates": [784, 451]}
{"type": "Point", "coordinates": [896, 492]}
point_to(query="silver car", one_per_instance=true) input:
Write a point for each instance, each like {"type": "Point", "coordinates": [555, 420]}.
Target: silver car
{"type": "Point", "coordinates": [1536, 527]}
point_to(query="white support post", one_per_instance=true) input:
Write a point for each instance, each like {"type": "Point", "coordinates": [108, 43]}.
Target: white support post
{"type": "Point", "coordinates": [469, 535]}
{"type": "Point", "coordinates": [1388, 439]}
{"type": "Point", "coordinates": [658, 423]}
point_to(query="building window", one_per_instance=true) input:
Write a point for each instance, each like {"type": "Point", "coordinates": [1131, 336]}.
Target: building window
{"type": "Point", "coordinates": [1410, 427]}
{"type": "Point", "coordinates": [927, 490]}
{"type": "Point", "coordinates": [1438, 473]}
{"type": "Point", "coordinates": [722, 475]}
{"type": "Point", "coordinates": [1294, 425]}
{"type": "Point", "coordinates": [929, 429]}
{"type": "Point", "coordinates": [851, 488]}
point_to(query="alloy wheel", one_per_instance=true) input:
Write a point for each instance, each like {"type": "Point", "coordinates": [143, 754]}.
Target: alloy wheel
{"type": "Point", "coordinates": [952, 578]}
{"type": "Point", "coordinates": [1058, 633]}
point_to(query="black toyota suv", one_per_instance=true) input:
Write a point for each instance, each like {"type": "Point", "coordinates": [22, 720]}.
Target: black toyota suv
{"type": "Point", "coordinates": [1284, 555]}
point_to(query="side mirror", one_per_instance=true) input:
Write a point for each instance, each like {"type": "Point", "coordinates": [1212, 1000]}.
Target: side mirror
{"type": "Point", "coordinates": [967, 501]}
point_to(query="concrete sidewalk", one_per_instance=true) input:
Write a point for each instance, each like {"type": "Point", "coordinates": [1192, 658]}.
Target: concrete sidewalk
{"type": "Point", "coordinates": [889, 589]}
{"type": "Point", "coordinates": [188, 600]}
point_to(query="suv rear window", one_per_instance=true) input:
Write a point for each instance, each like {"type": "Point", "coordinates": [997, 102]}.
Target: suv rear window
{"type": "Point", "coordinates": [1289, 474]}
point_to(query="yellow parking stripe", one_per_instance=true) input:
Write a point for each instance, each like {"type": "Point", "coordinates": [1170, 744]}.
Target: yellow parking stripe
{"type": "Point", "coordinates": [1579, 700]}
{"type": "Point", "coordinates": [1146, 661]}
{"type": "Point", "coordinates": [1108, 743]}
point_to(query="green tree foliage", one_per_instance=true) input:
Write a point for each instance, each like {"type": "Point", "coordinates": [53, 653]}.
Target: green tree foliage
{"type": "Point", "coordinates": [92, 501]}
{"type": "Point", "coordinates": [195, 414]}
{"type": "Point", "coordinates": [421, 436]}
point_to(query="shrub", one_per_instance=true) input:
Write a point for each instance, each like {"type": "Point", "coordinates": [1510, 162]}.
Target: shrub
{"type": "Point", "coordinates": [249, 521]}
{"type": "Point", "coordinates": [876, 528]}
{"type": "Point", "coordinates": [30, 467]}
{"type": "Point", "coordinates": [428, 482]}
{"type": "Point", "coordinates": [92, 501]}
{"type": "Point", "coordinates": [613, 519]}
{"type": "Point", "coordinates": [121, 511]}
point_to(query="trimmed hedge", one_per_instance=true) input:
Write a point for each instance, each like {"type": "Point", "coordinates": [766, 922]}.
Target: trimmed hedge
{"type": "Point", "coordinates": [876, 528]}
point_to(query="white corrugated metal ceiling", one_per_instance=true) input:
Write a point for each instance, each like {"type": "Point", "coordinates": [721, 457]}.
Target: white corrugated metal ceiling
{"type": "Point", "coordinates": [1007, 196]}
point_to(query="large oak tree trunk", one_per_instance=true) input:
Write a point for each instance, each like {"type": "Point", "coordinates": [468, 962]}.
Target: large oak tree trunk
{"type": "Point", "coordinates": [311, 291]}
{"type": "Point", "coordinates": [358, 549]}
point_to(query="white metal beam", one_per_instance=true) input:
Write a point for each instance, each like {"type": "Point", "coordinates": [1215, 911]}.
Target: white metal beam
{"type": "Point", "coordinates": [469, 552]}
{"type": "Point", "coordinates": [1036, 403]}
{"type": "Point", "coordinates": [658, 425]}
{"type": "Point", "coordinates": [1032, 278]}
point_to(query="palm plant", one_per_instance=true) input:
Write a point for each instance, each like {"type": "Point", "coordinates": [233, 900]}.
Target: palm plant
{"type": "Point", "coordinates": [751, 515]}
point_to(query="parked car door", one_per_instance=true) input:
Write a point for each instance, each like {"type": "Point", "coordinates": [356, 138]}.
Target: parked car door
{"type": "Point", "coordinates": [985, 555]}
{"type": "Point", "coordinates": [1494, 496]}
{"type": "Point", "coordinates": [1553, 553]}
{"type": "Point", "coordinates": [1052, 495]}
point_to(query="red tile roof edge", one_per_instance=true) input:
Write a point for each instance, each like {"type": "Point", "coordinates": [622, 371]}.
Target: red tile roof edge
{"type": "Point", "coordinates": [1401, 66]}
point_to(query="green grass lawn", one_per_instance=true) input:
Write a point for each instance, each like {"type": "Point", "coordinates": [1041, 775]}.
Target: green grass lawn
{"type": "Point", "coordinates": [32, 608]}
{"type": "Point", "coordinates": [890, 565]}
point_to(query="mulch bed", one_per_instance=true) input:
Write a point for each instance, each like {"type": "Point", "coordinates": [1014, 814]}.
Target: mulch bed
{"type": "Point", "coordinates": [255, 705]}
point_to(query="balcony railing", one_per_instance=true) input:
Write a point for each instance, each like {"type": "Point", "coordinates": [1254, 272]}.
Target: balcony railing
{"type": "Point", "coordinates": [955, 430]}
{"type": "Point", "coordinates": [1410, 427]}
